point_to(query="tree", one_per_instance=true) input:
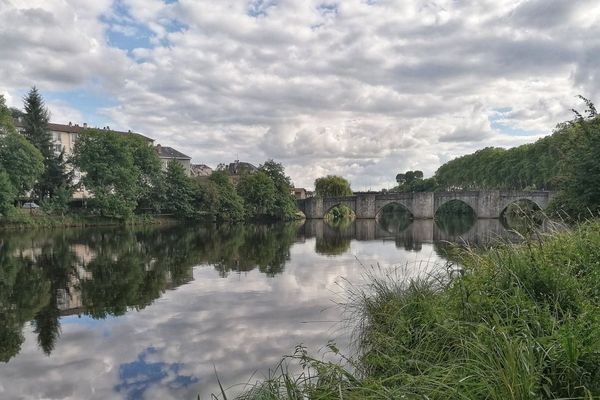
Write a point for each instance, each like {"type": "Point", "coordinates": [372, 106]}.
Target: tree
{"type": "Point", "coordinates": [6, 120]}
{"type": "Point", "coordinates": [332, 186]}
{"type": "Point", "coordinates": [7, 192]}
{"type": "Point", "coordinates": [151, 193]}
{"type": "Point", "coordinates": [259, 194]}
{"type": "Point", "coordinates": [36, 120]}
{"type": "Point", "coordinates": [285, 203]}
{"type": "Point", "coordinates": [21, 161]}
{"type": "Point", "coordinates": [179, 191]}
{"type": "Point", "coordinates": [109, 172]}
{"type": "Point", "coordinates": [55, 177]}
{"type": "Point", "coordinates": [580, 189]}
{"type": "Point", "coordinates": [231, 205]}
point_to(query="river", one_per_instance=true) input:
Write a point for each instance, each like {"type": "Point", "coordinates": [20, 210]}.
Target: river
{"type": "Point", "coordinates": [153, 312]}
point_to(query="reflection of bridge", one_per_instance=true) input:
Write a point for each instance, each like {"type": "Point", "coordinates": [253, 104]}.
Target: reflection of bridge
{"type": "Point", "coordinates": [422, 231]}
{"type": "Point", "coordinates": [485, 203]}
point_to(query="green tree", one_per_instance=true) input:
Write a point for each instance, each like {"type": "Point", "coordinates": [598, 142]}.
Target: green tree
{"type": "Point", "coordinates": [7, 192]}
{"type": "Point", "coordinates": [179, 191]}
{"type": "Point", "coordinates": [332, 186]}
{"type": "Point", "coordinates": [55, 177]}
{"type": "Point", "coordinates": [231, 205]}
{"type": "Point", "coordinates": [21, 161]}
{"type": "Point", "coordinates": [285, 203]}
{"type": "Point", "coordinates": [6, 119]}
{"type": "Point", "coordinates": [151, 194]}
{"type": "Point", "coordinates": [109, 172]}
{"type": "Point", "coordinates": [580, 189]}
{"type": "Point", "coordinates": [36, 120]}
{"type": "Point", "coordinates": [259, 194]}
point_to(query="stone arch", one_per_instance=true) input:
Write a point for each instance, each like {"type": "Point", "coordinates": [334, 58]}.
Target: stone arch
{"type": "Point", "coordinates": [470, 202]}
{"type": "Point", "coordinates": [394, 223]}
{"type": "Point", "coordinates": [380, 207]}
{"type": "Point", "coordinates": [328, 206]}
{"type": "Point", "coordinates": [508, 202]}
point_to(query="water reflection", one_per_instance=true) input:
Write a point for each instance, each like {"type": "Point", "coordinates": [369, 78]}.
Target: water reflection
{"type": "Point", "coordinates": [93, 313]}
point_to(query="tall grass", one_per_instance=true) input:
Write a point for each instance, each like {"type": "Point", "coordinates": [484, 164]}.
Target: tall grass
{"type": "Point", "coordinates": [519, 322]}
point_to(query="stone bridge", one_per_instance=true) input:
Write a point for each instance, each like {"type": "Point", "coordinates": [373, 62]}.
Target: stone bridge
{"type": "Point", "coordinates": [485, 203]}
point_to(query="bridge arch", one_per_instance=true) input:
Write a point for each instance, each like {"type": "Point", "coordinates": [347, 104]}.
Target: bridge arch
{"type": "Point", "coordinates": [468, 198]}
{"type": "Point", "coordinates": [404, 203]}
{"type": "Point", "coordinates": [532, 201]}
{"type": "Point", "coordinates": [394, 217]}
{"type": "Point", "coordinates": [457, 204]}
{"type": "Point", "coordinates": [330, 203]}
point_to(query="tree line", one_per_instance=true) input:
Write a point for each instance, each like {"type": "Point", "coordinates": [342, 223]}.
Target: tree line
{"type": "Point", "coordinates": [565, 161]}
{"type": "Point", "coordinates": [123, 174]}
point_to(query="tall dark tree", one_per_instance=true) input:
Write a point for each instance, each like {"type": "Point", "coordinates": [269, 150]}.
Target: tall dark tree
{"type": "Point", "coordinates": [55, 178]}
{"type": "Point", "coordinates": [36, 121]}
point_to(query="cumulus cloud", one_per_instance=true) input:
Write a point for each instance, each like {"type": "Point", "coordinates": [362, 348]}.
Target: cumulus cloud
{"type": "Point", "coordinates": [325, 87]}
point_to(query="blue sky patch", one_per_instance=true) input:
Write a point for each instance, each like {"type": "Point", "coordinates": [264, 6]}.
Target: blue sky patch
{"type": "Point", "coordinates": [138, 376]}
{"type": "Point", "coordinates": [497, 124]}
{"type": "Point", "coordinates": [328, 8]}
{"type": "Point", "coordinates": [86, 101]}
{"type": "Point", "coordinates": [258, 8]}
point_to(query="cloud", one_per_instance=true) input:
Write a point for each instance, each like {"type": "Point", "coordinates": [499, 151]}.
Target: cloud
{"type": "Point", "coordinates": [321, 86]}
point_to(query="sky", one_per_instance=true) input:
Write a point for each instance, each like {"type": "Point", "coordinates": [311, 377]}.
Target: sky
{"type": "Point", "coordinates": [364, 89]}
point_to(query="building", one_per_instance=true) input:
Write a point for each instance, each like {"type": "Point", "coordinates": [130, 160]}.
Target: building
{"type": "Point", "coordinates": [64, 136]}
{"type": "Point", "coordinates": [301, 193]}
{"type": "Point", "coordinates": [168, 154]}
{"type": "Point", "coordinates": [200, 171]}
{"type": "Point", "coordinates": [236, 169]}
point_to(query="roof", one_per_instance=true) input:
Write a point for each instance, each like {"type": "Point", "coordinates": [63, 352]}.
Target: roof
{"type": "Point", "coordinates": [75, 128]}
{"type": "Point", "coordinates": [169, 152]}
{"type": "Point", "coordinates": [237, 167]}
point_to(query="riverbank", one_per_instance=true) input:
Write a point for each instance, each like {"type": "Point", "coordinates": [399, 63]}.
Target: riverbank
{"type": "Point", "coordinates": [24, 219]}
{"type": "Point", "coordinates": [516, 322]}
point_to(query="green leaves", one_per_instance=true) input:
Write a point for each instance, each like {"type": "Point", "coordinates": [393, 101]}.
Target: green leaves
{"type": "Point", "coordinates": [332, 186]}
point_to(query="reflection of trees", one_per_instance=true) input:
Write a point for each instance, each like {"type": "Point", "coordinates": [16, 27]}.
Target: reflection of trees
{"type": "Point", "coordinates": [394, 218]}
{"type": "Point", "coordinates": [335, 240]}
{"type": "Point", "coordinates": [455, 224]}
{"type": "Point", "coordinates": [23, 292]}
{"type": "Point", "coordinates": [250, 246]}
{"type": "Point", "coordinates": [102, 272]}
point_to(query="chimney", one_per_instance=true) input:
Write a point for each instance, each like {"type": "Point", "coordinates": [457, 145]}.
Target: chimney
{"type": "Point", "coordinates": [85, 124]}
{"type": "Point", "coordinates": [70, 124]}
{"type": "Point", "coordinates": [108, 127]}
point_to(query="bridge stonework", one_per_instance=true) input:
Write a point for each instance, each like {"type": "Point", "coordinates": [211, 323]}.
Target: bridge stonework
{"type": "Point", "coordinates": [423, 205]}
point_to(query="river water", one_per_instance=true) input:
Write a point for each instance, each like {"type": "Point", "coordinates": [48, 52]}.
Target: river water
{"type": "Point", "coordinates": [152, 313]}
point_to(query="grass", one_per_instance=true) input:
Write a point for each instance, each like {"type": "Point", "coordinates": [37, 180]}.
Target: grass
{"type": "Point", "coordinates": [519, 322]}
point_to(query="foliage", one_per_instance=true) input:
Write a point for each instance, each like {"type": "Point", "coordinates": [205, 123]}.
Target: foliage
{"type": "Point", "coordinates": [36, 120]}
{"type": "Point", "coordinates": [230, 204]}
{"type": "Point", "coordinates": [109, 172]}
{"type": "Point", "coordinates": [530, 166]}
{"type": "Point", "coordinates": [580, 188]}
{"type": "Point", "coordinates": [516, 323]}
{"type": "Point", "coordinates": [339, 213]}
{"type": "Point", "coordinates": [6, 120]}
{"type": "Point", "coordinates": [285, 203]}
{"type": "Point", "coordinates": [7, 192]}
{"type": "Point", "coordinates": [55, 176]}
{"type": "Point", "coordinates": [332, 186]}
{"type": "Point", "coordinates": [148, 168]}
{"type": "Point", "coordinates": [259, 194]}
{"type": "Point", "coordinates": [21, 161]}
{"type": "Point", "coordinates": [412, 181]}
{"type": "Point", "coordinates": [179, 191]}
